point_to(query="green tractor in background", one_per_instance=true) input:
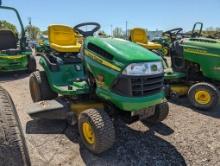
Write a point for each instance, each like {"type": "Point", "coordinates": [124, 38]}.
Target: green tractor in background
{"type": "Point", "coordinates": [195, 67]}
{"type": "Point", "coordinates": [43, 45]}
{"type": "Point", "coordinates": [97, 81]}
{"type": "Point", "coordinates": [166, 40]}
{"type": "Point", "coordinates": [14, 53]}
{"type": "Point", "coordinates": [195, 63]}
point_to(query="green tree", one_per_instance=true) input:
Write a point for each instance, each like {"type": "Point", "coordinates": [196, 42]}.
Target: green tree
{"type": "Point", "coordinates": [118, 33]}
{"type": "Point", "coordinates": [6, 25]}
{"type": "Point", "coordinates": [102, 33]}
{"type": "Point", "coordinates": [32, 31]}
{"type": "Point", "coordinates": [44, 32]}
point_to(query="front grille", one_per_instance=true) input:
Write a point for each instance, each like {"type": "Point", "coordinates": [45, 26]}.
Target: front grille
{"type": "Point", "coordinates": [138, 86]}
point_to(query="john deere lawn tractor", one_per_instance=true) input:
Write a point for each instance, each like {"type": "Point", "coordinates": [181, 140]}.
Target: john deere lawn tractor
{"type": "Point", "coordinates": [43, 45]}
{"type": "Point", "coordinates": [97, 81]}
{"type": "Point", "coordinates": [195, 63]}
{"type": "Point", "coordinates": [14, 53]}
{"type": "Point", "coordinates": [166, 40]}
{"type": "Point", "coordinates": [195, 67]}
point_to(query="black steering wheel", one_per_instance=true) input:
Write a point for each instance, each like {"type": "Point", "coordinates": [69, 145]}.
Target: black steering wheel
{"type": "Point", "coordinates": [87, 32]}
{"type": "Point", "coordinates": [173, 33]}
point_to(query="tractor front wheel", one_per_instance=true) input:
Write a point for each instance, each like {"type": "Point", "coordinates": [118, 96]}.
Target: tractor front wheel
{"type": "Point", "coordinates": [203, 95]}
{"type": "Point", "coordinates": [96, 130]}
{"type": "Point", "coordinates": [161, 112]}
{"type": "Point", "coordinates": [39, 87]}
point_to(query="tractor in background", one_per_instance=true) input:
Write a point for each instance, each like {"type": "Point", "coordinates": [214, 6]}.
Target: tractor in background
{"type": "Point", "coordinates": [15, 55]}
{"type": "Point", "coordinates": [195, 67]}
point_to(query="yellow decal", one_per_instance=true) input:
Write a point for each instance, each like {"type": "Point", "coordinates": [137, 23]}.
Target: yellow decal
{"type": "Point", "coordinates": [12, 57]}
{"type": "Point", "coordinates": [200, 52]}
{"type": "Point", "coordinates": [101, 61]}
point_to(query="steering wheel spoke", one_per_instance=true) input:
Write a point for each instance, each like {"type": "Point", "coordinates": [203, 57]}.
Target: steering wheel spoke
{"type": "Point", "coordinates": [173, 33]}
{"type": "Point", "coordinates": [87, 33]}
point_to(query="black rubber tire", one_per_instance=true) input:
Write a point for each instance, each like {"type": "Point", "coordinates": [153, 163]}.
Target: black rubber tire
{"type": "Point", "coordinates": [40, 88]}
{"type": "Point", "coordinates": [13, 149]}
{"type": "Point", "coordinates": [32, 65]}
{"type": "Point", "coordinates": [103, 128]}
{"type": "Point", "coordinates": [211, 89]}
{"type": "Point", "coordinates": [161, 112]}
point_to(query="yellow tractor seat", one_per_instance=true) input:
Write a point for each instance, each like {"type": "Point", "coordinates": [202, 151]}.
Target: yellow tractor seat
{"type": "Point", "coordinates": [63, 39]}
{"type": "Point", "coordinates": [139, 36]}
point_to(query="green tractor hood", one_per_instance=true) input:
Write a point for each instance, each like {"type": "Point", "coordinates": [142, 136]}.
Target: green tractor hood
{"type": "Point", "coordinates": [123, 52]}
{"type": "Point", "coordinates": [106, 58]}
{"type": "Point", "coordinates": [203, 43]}
{"type": "Point", "coordinates": [206, 53]}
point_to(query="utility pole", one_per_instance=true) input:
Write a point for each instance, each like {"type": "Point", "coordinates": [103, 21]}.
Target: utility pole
{"type": "Point", "coordinates": [126, 30]}
{"type": "Point", "coordinates": [111, 30]}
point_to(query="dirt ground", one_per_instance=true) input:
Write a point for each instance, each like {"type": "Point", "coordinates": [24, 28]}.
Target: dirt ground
{"type": "Point", "coordinates": [186, 137]}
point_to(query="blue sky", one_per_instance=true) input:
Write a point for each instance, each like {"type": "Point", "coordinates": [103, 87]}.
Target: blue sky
{"type": "Point", "coordinates": [154, 14]}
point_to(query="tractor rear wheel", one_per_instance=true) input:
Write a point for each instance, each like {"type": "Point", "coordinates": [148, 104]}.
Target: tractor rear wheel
{"type": "Point", "coordinates": [203, 95]}
{"type": "Point", "coordinates": [13, 149]}
{"type": "Point", "coordinates": [32, 65]}
{"type": "Point", "coordinates": [96, 130]}
{"type": "Point", "coordinates": [161, 112]}
{"type": "Point", "coordinates": [40, 88]}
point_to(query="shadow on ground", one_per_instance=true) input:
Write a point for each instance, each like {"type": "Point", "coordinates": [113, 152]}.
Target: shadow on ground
{"type": "Point", "coordinates": [183, 101]}
{"type": "Point", "coordinates": [131, 147]}
{"type": "Point", "coordinates": [10, 76]}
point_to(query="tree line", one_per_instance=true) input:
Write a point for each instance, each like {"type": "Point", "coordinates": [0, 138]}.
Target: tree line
{"type": "Point", "coordinates": [32, 31]}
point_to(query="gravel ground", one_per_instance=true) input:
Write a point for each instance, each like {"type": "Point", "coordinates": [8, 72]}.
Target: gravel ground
{"type": "Point", "coordinates": [186, 137]}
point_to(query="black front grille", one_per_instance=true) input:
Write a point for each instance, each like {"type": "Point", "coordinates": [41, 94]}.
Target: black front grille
{"type": "Point", "coordinates": [137, 86]}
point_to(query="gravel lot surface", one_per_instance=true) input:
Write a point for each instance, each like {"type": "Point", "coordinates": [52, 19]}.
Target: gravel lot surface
{"type": "Point", "coordinates": [186, 137]}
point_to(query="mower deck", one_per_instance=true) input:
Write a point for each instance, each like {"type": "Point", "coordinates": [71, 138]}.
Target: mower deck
{"type": "Point", "coordinates": [171, 75]}
{"type": "Point", "coordinates": [13, 62]}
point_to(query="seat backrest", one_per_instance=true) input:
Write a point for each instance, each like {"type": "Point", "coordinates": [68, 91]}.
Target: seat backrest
{"type": "Point", "coordinates": [7, 40]}
{"type": "Point", "coordinates": [61, 35]}
{"type": "Point", "coordinates": [139, 35]}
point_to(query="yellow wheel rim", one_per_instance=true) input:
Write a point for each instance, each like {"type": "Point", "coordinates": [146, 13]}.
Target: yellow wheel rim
{"type": "Point", "coordinates": [165, 50]}
{"type": "Point", "coordinates": [88, 133]}
{"type": "Point", "coordinates": [202, 97]}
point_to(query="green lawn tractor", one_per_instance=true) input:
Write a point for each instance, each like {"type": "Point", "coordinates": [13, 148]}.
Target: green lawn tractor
{"type": "Point", "coordinates": [96, 82]}
{"type": "Point", "coordinates": [14, 53]}
{"type": "Point", "coordinates": [43, 45]}
{"type": "Point", "coordinates": [195, 63]}
{"type": "Point", "coordinates": [166, 40]}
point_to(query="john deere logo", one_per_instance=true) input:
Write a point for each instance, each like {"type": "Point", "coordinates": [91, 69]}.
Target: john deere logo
{"type": "Point", "coordinates": [154, 68]}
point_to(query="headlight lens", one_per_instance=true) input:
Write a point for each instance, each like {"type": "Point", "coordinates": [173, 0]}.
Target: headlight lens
{"type": "Point", "coordinates": [147, 68]}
